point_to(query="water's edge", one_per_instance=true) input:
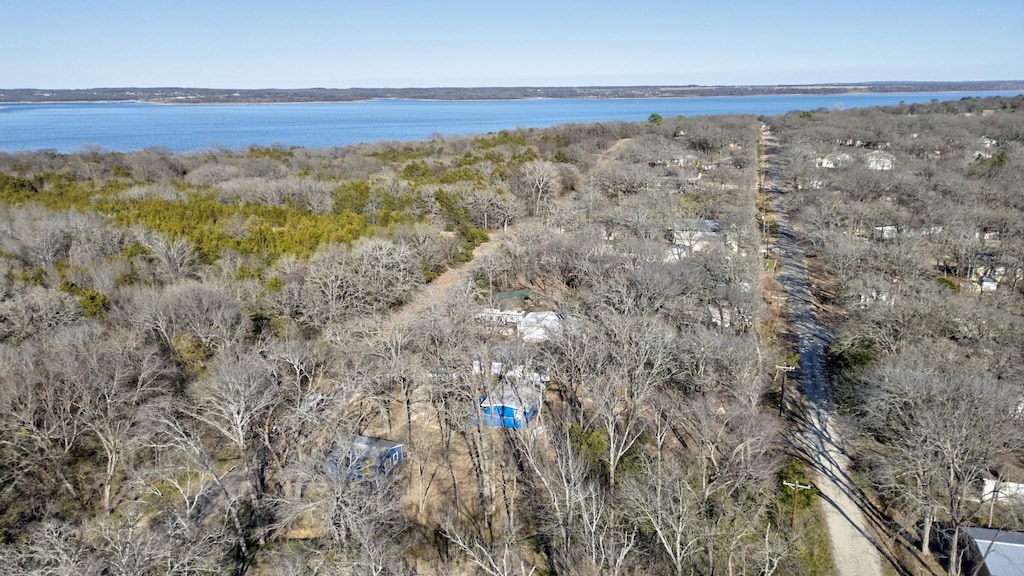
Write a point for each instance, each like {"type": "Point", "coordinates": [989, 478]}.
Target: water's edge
{"type": "Point", "coordinates": [126, 126]}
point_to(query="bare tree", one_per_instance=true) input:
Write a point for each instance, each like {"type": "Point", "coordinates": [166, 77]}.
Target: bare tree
{"type": "Point", "coordinates": [636, 362]}
{"type": "Point", "coordinates": [664, 500]}
{"type": "Point", "coordinates": [535, 182]}
{"type": "Point", "coordinates": [360, 518]}
{"type": "Point", "coordinates": [373, 276]}
{"type": "Point", "coordinates": [121, 376]}
{"type": "Point", "coordinates": [238, 393]}
{"type": "Point", "coordinates": [499, 559]}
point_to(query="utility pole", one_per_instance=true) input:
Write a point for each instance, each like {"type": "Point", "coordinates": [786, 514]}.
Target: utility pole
{"type": "Point", "coordinates": [797, 487]}
{"type": "Point", "coordinates": [782, 395]}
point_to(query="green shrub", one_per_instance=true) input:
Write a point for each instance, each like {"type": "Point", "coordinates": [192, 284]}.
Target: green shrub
{"type": "Point", "coordinates": [795, 472]}
{"type": "Point", "coordinates": [502, 138]}
{"type": "Point", "coordinates": [352, 197]}
{"type": "Point", "coordinates": [93, 303]}
{"type": "Point", "coordinates": [949, 283]}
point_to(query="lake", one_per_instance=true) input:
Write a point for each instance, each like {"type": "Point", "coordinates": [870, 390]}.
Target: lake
{"type": "Point", "coordinates": [125, 126]}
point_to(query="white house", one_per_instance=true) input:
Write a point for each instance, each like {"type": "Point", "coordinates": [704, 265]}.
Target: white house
{"type": "Point", "coordinates": [1001, 490]}
{"type": "Point", "coordinates": [879, 160]}
{"type": "Point", "coordinates": [517, 373]}
{"type": "Point", "coordinates": [884, 233]}
{"type": "Point", "coordinates": [988, 284]}
{"type": "Point", "coordinates": [499, 317]}
{"type": "Point", "coordinates": [834, 160]}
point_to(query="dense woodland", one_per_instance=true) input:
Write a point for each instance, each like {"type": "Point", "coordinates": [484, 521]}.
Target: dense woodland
{"type": "Point", "coordinates": [186, 338]}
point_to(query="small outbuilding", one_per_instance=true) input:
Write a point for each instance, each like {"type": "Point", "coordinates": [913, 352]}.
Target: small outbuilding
{"type": "Point", "coordinates": [510, 406]}
{"type": "Point", "coordinates": [839, 160]}
{"type": "Point", "coordinates": [365, 457]}
{"type": "Point", "coordinates": [884, 233]}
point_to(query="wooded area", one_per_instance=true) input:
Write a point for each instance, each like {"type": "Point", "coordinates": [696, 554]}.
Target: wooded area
{"type": "Point", "coordinates": [190, 343]}
{"type": "Point", "coordinates": [914, 214]}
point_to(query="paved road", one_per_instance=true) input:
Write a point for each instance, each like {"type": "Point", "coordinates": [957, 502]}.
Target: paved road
{"type": "Point", "coordinates": [853, 548]}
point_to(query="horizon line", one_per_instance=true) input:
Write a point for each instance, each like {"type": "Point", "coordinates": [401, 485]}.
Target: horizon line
{"type": "Point", "coordinates": [536, 86]}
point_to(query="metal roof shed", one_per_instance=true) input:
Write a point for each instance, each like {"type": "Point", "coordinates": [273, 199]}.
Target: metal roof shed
{"type": "Point", "coordinates": [510, 406]}
{"type": "Point", "coordinates": [1002, 552]}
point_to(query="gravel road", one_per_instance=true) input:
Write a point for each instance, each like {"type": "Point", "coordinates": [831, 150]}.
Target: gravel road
{"type": "Point", "coordinates": [853, 548]}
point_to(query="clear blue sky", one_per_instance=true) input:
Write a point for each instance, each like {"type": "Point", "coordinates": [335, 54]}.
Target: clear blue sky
{"type": "Point", "coordinates": [380, 43]}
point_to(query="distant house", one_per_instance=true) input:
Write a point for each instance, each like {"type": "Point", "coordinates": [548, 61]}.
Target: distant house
{"type": "Point", "coordinates": [539, 326]}
{"type": "Point", "coordinates": [987, 234]}
{"type": "Point", "coordinates": [499, 317]}
{"type": "Point", "coordinates": [879, 160]}
{"type": "Point", "coordinates": [510, 405]}
{"type": "Point", "coordinates": [988, 284]}
{"type": "Point", "coordinates": [364, 457]}
{"type": "Point", "coordinates": [685, 226]}
{"type": "Point", "coordinates": [1001, 490]}
{"type": "Point", "coordinates": [884, 233]}
{"type": "Point", "coordinates": [692, 235]}
{"type": "Point", "coordinates": [834, 160]}
{"type": "Point", "coordinates": [987, 142]}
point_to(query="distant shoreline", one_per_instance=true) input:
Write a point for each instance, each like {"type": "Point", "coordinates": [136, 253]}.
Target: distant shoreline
{"type": "Point", "coordinates": [208, 96]}
{"type": "Point", "coordinates": [366, 100]}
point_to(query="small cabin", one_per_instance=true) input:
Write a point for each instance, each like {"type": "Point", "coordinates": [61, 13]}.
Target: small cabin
{"type": "Point", "coordinates": [365, 457]}
{"type": "Point", "coordinates": [879, 160]}
{"type": "Point", "coordinates": [884, 233]}
{"type": "Point", "coordinates": [840, 160]}
{"type": "Point", "coordinates": [510, 406]}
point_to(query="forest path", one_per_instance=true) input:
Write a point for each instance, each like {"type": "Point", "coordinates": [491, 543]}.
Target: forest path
{"type": "Point", "coordinates": [605, 156]}
{"type": "Point", "coordinates": [438, 289]}
{"type": "Point", "coordinates": [816, 440]}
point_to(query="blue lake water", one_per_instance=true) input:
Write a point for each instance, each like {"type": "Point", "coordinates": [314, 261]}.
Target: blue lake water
{"type": "Point", "coordinates": [126, 126]}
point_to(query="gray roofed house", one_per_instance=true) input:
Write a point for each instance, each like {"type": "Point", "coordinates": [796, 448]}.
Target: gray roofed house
{"type": "Point", "coordinates": [364, 457]}
{"type": "Point", "coordinates": [1001, 552]}
{"type": "Point", "coordinates": [697, 225]}
{"type": "Point", "coordinates": [692, 235]}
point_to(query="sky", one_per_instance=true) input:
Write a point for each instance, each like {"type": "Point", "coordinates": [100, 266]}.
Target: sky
{"type": "Point", "coordinates": [404, 43]}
